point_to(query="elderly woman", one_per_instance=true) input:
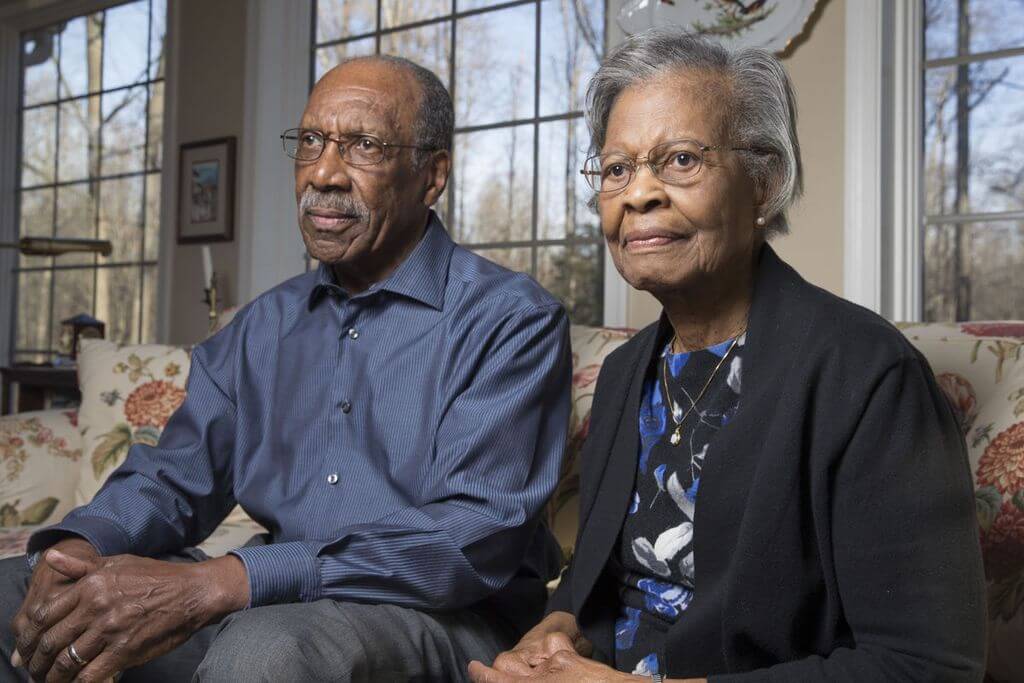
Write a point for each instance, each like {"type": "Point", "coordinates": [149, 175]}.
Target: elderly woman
{"type": "Point", "coordinates": [836, 538]}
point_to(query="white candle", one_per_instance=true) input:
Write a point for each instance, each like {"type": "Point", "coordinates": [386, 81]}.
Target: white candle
{"type": "Point", "coordinates": [207, 266]}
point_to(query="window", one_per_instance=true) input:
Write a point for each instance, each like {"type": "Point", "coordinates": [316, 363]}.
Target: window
{"type": "Point", "coordinates": [973, 154]}
{"type": "Point", "coordinates": [91, 123]}
{"type": "Point", "coordinates": [517, 72]}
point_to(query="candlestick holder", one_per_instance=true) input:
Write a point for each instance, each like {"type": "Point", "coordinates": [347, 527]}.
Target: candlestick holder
{"type": "Point", "coordinates": [211, 301]}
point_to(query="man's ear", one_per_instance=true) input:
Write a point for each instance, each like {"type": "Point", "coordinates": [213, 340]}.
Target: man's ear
{"type": "Point", "coordinates": [436, 171]}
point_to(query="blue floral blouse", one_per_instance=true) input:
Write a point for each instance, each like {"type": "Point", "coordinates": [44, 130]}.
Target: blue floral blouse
{"type": "Point", "coordinates": [655, 563]}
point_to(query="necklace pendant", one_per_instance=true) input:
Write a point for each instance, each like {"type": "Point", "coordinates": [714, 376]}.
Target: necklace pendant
{"type": "Point", "coordinates": [675, 438]}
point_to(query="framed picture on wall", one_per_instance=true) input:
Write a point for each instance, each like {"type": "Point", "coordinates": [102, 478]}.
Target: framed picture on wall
{"type": "Point", "coordinates": [206, 191]}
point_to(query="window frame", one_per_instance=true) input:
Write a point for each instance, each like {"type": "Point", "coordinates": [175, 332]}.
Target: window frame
{"type": "Point", "coordinates": [884, 217]}
{"type": "Point", "coordinates": [615, 290]}
{"type": "Point", "coordinates": [16, 19]}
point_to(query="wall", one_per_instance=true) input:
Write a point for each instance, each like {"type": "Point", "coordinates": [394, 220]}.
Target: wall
{"type": "Point", "coordinates": [815, 245]}
{"type": "Point", "coordinates": [210, 58]}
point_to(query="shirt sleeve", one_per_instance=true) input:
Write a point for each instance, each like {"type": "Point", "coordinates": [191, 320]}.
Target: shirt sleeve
{"type": "Point", "coordinates": [906, 553]}
{"type": "Point", "coordinates": [172, 495]}
{"type": "Point", "coordinates": [498, 453]}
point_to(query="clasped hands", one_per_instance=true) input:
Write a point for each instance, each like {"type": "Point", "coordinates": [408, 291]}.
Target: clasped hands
{"type": "Point", "coordinates": [118, 611]}
{"type": "Point", "coordinates": [553, 651]}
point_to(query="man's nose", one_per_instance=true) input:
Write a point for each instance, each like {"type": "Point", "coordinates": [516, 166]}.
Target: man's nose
{"type": "Point", "coordinates": [330, 169]}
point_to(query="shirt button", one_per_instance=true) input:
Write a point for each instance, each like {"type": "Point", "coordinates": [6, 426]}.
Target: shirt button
{"type": "Point", "coordinates": [346, 407]}
{"type": "Point", "coordinates": [332, 478]}
{"type": "Point", "coordinates": [352, 333]}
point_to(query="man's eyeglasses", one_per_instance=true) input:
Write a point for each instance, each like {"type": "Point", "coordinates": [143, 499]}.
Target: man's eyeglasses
{"type": "Point", "coordinates": [357, 149]}
{"type": "Point", "coordinates": [674, 163]}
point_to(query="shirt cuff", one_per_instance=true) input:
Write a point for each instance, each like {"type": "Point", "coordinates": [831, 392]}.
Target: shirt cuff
{"type": "Point", "coordinates": [107, 537]}
{"type": "Point", "coordinates": [281, 572]}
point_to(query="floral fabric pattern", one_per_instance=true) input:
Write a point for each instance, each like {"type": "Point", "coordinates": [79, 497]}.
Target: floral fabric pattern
{"type": "Point", "coordinates": [128, 395]}
{"type": "Point", "coordinates": [39, 455]}
{"type": "Point", "coordinates": [655, 565]}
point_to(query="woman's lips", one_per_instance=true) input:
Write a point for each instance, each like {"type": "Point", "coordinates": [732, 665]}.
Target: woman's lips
{"type": "Point", "coordinates": [652, 241]}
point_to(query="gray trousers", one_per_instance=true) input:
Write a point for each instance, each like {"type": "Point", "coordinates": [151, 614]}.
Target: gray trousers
{"type": "Point", "coordinates": [319, 641]}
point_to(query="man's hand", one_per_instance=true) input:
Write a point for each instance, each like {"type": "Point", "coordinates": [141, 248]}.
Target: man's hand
{"type": "Point", "coordinates": [123, 611]}
{"type": "Point", "coordinates": [557, 632]}
{"type": "Point", "coordinates": [35, 616]}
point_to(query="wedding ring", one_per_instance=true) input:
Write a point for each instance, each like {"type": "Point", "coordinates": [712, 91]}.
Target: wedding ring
{"type": "Point", "coordinates": [75, 657]}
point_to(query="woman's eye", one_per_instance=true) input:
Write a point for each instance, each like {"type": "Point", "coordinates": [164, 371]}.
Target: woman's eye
{"type": "Point", "coordinates": [683, 160]}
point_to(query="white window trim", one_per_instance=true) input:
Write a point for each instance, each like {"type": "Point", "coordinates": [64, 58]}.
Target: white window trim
{"type": "Point", "coordinates": [276, 77]}
{"type": "Point", "coordinates": [882, 220]}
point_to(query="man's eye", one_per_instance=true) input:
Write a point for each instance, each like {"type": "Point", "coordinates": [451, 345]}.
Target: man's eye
{"type": "Point", "coordinates": [309, 139]}
{"type": "Point", "coordinates": [366, 144]}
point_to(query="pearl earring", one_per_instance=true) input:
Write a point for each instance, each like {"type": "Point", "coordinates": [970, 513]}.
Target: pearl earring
{"type": "Point", "coordinates": [760, 221]}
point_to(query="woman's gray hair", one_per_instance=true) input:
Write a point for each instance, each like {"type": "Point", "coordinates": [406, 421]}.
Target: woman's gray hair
{"type": "Point", "coordinates": [761, 108]}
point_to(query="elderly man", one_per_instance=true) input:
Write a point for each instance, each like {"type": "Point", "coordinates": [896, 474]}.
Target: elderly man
{"type": "Point", "coordinates": [395, 419]}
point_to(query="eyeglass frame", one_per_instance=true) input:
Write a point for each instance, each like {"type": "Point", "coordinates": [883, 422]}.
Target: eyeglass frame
{"type": "Point", "coordinates": [636, 162]}
{"type": "Point", "coordinates": [342, 143]}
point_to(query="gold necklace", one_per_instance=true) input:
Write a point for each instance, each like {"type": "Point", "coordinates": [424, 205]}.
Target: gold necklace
{"type": "Point", "coordinates": [677, 434]}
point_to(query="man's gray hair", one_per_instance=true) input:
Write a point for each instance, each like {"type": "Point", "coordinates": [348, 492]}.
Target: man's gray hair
{"type": "Point", "coordinates": [435, 120]}
{"type": "Point", "coordinates": [761, 109]}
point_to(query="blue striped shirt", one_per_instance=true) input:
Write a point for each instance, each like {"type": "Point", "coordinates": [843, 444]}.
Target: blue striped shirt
{"type": "Point", "coordinates": [398, 445]}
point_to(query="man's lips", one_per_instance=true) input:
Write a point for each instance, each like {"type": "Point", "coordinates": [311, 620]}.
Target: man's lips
{"type": "Point", "coordinates": [329, 220]}
{"type": "Point", "coordinates": [645, 239]}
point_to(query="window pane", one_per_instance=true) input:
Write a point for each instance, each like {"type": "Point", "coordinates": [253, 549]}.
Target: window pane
{"type": "Point", "coordinates": [399, 12]}
{"type": "Point", "coordinates": [152, 229]}
{"type": "Point", "coordinates": [493, 187]}
{"type": "Point", "coordinates": [572, 35]}
{"type": "Point", "coordinates": [494, 59]}
{"type": "Point", "coordinates": [329, 57]}
{"type": "Point", "coordinates": [121, 216]}
{"type": "Point", "coordinates": [562, 193]}
{"type": "Point", "coordinates": [72, 294]}
{"type": "Point", "coordinates": [33, 310]}
{"type": "Point", "coordinates": [940, 24]}
{"type": "Point", "coordinates": [337, 19]}
{"type": "Point", "coordinates": [36, 221]}
{"type": "Point", "coordinates": [125, 45]}
{"type": "Point", "coordinates": [157, 32]}
{"type": "Point", "coordinates": [38, 145]}
{"type": "Point", "coordinates": [464, 5]}
{"type": "Point", "coordinates": [155, 136]}
{"type": "Point", "coordinates": [987, 173]}
{"type": "Point", "coordinates": [124, 131]}
{"type": "Point", "coordinates": [149, 304]}
{"type": "Point", "coordinates": [76, 217]}
{"type": "Point", "coordinates": [517, 259]}
{"type": "Point", "coordinates": [79, 139]}
{"type": "Point", "coordinates": [989, 260]}
{"type": "Point", "coordinates": [991, 25]}
{"type": "Point", "coordinates": [576, 276]}
{"type": "Point", "coordinates": [39, 63]}
{"type": "Point", "coordinates": [429, 46]}
{"type": "Point", "coordinates": [117, 302]}
{"type": "Point", "coordinates": [75, 65]}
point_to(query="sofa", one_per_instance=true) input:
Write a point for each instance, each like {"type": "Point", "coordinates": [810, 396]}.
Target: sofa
{"type": "Point", "coordinates": [51, 461]}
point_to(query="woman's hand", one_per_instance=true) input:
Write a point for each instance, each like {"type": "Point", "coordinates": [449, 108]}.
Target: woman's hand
{"type": "Point", "coordinates": [557, 632]}
{"type": "Point", "coordinates": [563, 666]}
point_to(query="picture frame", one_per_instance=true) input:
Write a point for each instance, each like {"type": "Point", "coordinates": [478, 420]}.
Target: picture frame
{"type": "Point", "coordinates": [206, 191]}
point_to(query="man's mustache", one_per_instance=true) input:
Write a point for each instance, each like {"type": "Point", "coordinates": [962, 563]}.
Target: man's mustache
{"type": "Point", "coordinates": [335, 201]}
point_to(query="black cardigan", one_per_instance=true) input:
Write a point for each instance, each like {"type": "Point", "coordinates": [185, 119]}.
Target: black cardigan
{"type": "Point", "coordinates": [836, 537]}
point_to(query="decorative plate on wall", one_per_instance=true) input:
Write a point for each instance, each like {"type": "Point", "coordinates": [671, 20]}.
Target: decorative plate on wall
{"type": "Point", "coordinates": [768, 24]}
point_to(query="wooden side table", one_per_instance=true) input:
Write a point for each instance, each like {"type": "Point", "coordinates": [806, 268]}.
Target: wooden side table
{"type": "Point", "coordinates": [36, 386]}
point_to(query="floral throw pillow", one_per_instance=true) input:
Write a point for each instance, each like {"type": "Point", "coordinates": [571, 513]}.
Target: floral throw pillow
{"type": "Point", "coordinates": [39, 456]}
{"type": "Point", "coordinates": [590, 346]}
{"type": "Point", "coordinates": [128, 394]}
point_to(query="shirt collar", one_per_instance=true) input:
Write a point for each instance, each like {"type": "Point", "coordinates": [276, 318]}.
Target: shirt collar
{"type": "Point", "coordinates": [422, 276]}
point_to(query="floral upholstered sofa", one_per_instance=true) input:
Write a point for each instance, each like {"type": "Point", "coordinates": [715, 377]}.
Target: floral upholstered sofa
{"type": "Point", "coordinates": [53, 460]}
